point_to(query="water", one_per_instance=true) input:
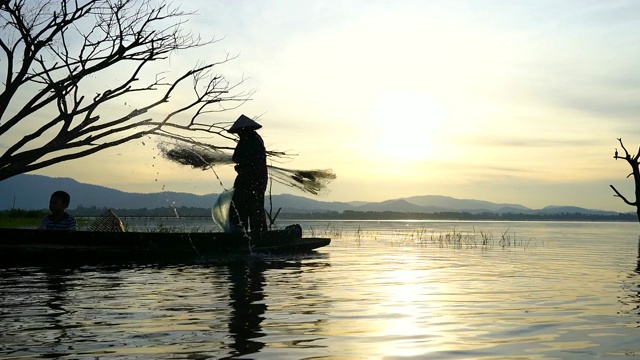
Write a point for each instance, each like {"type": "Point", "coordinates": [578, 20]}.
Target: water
{"type": "Point", "coordinates": [422, 290]}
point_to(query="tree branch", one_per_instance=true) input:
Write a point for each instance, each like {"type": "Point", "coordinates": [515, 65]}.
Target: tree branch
{"type": "Point", "coordinates": [618, 194]}
{"type": "Point", "coordinates": [65, 46]}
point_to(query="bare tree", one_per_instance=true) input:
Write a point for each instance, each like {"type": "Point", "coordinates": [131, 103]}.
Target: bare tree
{"type": "Point", "coordinates": [635, 172]}
{"type": "Point", "coordinates": [68, 68]}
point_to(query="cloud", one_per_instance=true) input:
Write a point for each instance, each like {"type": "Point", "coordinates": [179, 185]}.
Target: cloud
{"type": "Point", "coordinates": [525, 142]}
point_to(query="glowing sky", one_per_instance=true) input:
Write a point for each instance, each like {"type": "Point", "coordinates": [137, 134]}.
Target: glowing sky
{"type": "Point", "coordinates": [505, 101]}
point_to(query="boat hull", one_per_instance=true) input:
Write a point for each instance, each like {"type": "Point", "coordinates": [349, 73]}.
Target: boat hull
{"type": "Point", "coordinates": [35, 245]}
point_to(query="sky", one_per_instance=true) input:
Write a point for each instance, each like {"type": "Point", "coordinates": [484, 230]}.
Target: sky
{"type": "Point", "coordinates": [517, 102]}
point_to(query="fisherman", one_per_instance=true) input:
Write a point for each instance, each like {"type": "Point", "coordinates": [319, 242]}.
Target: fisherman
{"type": "Point", "coordinates": [247, 204]}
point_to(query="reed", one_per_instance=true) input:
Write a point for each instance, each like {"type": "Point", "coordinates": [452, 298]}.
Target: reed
{"type": "Point", "coordinates": [475, 239]}
{"type": "Point", "coordinates": [425, 236]}
{"type": "Point", "coordinates": [329, 230]}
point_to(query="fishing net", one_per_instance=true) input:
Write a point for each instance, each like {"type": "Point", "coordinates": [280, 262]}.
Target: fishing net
{"type": "Point", "coordinates": [108, 222]}
{"type": "Point", "coordinates": [204, 157]}
{"type": "Point", "coordinates": [311, 181]}
{"type": "Point", "coordinates": [220, 211]}
{"type": "Point", "coordinates": [196, 155]}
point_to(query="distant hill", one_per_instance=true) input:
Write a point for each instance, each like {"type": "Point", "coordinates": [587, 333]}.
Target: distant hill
{"type": "Point", "coordinates": [298, 204]}
{"type": "Point", "coordinates": [398, 205]}
{"type": "Point", "coordinates": [32, 192]}
{"type": "Point", "coordinates": [445, 203]}
{"type": "Point", "coordinates": [572, 209]}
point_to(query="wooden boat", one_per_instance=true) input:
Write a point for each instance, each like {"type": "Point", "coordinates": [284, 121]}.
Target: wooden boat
{"type": "Point", "coordinates": [36, 245]}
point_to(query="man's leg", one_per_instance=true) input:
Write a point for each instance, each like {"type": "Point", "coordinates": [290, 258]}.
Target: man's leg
{"type": "Point", "coordinates": [258, 219]}
{"type": "Point", "coordinates": [239, 210]}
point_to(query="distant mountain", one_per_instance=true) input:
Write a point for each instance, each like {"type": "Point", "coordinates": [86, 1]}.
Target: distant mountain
{"type": "Point", "coordinates": [445, 202]}
{"type": "Point", "coordinates": [517, 209]}
{"type": "Point", "coordinates": [297, 204]}
{"type": "Point", "coordinates": [573, 209]}
{"type": "Point", "coordinates": [32, 192]}
{"type": "Point", "coordinates": [398, 205]}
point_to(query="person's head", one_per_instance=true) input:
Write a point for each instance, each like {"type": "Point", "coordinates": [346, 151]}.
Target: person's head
{"type": "Point", "coordinates": [59, 201]}
{"type": "Point", "coordinates": [243, 124]}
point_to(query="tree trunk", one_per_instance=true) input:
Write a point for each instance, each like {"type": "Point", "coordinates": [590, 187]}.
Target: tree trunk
{"type": "Point", "coordinates": [635, 171]}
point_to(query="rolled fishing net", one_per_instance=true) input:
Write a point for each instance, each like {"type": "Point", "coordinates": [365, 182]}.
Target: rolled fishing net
{"type": "Point", "coordinates": [311, 181]}
{"type": "Point", "coordinates": [204, 157]}
{"type": "Point", "coordinates": [195, 155]}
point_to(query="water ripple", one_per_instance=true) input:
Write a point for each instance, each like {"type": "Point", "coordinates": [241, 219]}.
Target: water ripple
{"type": "Point", "coordinates": [576, 296]}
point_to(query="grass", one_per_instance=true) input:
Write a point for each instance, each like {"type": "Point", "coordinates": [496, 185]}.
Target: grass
{"type": "Point", "coordinates": [428, 237]}
{"type": "Point", "coordinates": [7, 222]}
{"type": "Point", "coordinates": [474, 239]}
{"type": "Point", "coordinates": [416, 237]}
{"type": "Point", "coordinates": [329, 231]}
{"type": "Point", "coordinates": [421, 237]}
{"type": "Point", "coordinates": [29, 223]}
{"type": "Point", "coordinates": [18, 218]}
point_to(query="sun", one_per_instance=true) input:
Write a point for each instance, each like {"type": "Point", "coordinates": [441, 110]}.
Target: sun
{"type": "Point", "coordinates": [407, 127]}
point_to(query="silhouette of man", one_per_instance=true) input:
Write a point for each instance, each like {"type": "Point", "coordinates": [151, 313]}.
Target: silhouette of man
{"type": "Point", "coordinates": [247, 203]}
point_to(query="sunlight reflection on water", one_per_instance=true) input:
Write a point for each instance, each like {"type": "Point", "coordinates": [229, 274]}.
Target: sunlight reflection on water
{"type": "Point", "coordinates": [380, 290]}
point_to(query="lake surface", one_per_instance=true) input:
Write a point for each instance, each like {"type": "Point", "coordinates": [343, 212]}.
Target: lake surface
{"type": "Point", "coordinates": [381, 290]}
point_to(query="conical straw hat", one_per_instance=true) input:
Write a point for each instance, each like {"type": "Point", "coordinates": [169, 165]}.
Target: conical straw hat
{"type": "Point", "coordinates": [243, 122]}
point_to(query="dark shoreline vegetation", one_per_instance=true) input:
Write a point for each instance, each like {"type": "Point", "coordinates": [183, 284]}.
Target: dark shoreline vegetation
{"type": "Point", "coordinates": [15, 217]}
{"type": "Point", "coordinates": [21, 218]}
{"type": "Point", "coordinates": [452, 215]}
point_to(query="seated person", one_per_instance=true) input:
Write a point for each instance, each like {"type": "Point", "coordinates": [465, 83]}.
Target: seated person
{"type": "Point", "coordinates": [59, 219]}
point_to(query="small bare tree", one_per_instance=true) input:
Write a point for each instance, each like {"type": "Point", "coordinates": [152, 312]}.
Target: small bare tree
{"type": "Point", "coordinates": [68, 68]}
{"type": "Point", "coordinates": [635, 172]}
